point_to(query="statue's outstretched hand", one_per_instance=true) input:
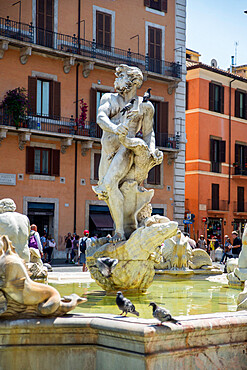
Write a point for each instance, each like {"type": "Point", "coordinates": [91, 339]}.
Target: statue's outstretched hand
{"type": "Point", "coordinates": [122, 129]}
{"type": "Point", "coordinates": [157, 156]}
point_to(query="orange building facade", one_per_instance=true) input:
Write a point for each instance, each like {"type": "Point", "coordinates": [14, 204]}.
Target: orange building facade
{"type": "Point", "coordinates": [216, 150]}
{"type": "Point", "coordinates": [61, 53]}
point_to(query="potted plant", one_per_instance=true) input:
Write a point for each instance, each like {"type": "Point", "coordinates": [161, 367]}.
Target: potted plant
{"type": "Point", "coordinates": [15, 103]}
{"type": "Point", "coordinates": [83, 115]}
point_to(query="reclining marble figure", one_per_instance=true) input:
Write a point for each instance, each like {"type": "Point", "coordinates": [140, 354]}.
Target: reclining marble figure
{"type": "Point", "coordinates": [126, 160]}
{"type": "Point", "coordinates": [16, 226]}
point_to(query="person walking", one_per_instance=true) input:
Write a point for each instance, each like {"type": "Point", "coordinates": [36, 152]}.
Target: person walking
{"type": "Point", "coordinates": [51, 246]}
{"type": "Point", "coordinates": [227, 250]}
{"type": "Point", "coordinates": [84, 243]}
{"type": "Point", "coordinates": [75, 248]}
{"type": "Point", "coordinates": [34, 240]}
{"type": "Point", "coordinates": [201, 243]}
{"type": "Point", "coordinates": [68, 243]}
{"type": "Point", "coordinates": [236, 245]}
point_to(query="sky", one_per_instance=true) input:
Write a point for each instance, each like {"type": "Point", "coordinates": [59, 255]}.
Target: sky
{"type": "Point", "coordinates": [213, 28]}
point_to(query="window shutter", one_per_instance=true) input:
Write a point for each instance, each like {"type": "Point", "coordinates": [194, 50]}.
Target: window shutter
{"type": "Point", "coordinates": [211, 96]}
{"type": "Point", "coordinates": [163, 118]}
{"type": "Point", "coordinates": [222, 99]}
{"type": "Point", "coordinates": [32, 94]}
{"type": "Point", "coordinates": [51, 99]}
{"type": "Point", "coordinates": [245, 160]}
{"type": "Point", "coordinates": [157, 174]}
{"type": "Point", "coordinates": [93, 97]}
{"type": "Point", "coordinates": [97, 157]}
{"type": "Point", "coordinates": [164, 6]}
{"type": "Point", "coordinates": [55, 162]}
{"type": "Point", "coordinates": [147, 3]}
{"type": "Point", "coordinates": [237, 159]}
{"type": "Point", "coordinates": [211, 150]}
{"type": "Point", "coordinates": [245, 105]}
{"type": "Point", "coordinates": [222, 149]}
{"type": "Point", "coordinates": [107, 41]}
{"type": "Point", "coordinates": [29, 159]}
{"type": "Point", "coordinates": [99, 28]}
{"type": "Point", "coordinates": [215, 196]}
{"type": "Point", "coordinates": [57, 99]}
{"type": "Point", "coordinates": [151, 176]}
{"type": "Point", "coordinates": [240, 199]}
{"type": "Point", "coordinates": [237, 103]}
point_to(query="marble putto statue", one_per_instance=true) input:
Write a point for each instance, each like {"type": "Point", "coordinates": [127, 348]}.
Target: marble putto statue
{"type": "Point", "coordinates": [16, 226]}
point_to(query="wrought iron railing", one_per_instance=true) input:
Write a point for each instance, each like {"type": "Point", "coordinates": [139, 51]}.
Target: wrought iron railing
{"type": "Point", "coordinates": [65, 125]}
{"type": "Point", "coordinates": [241, 170]}
{"type": "Point", "coordinates": [217, 205]}
{"type": "Point", "coordinates": [72, 44]}
{"type": "Point", "coordinates": [240, 207]}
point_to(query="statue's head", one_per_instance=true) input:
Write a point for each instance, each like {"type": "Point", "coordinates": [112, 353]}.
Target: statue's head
{"type": "Point", "coordinates": [7, 205]}
{"type": "Point", "coordinates": [126, 78]}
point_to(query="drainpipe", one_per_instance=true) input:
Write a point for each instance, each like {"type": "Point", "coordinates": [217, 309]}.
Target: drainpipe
{"type": "Point", "coordinates": [76, 114]}
{"type": "Point", "coordinates": [230, 141]}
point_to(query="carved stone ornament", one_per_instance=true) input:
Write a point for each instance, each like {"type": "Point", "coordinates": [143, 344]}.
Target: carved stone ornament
{"type": "Point", "coordinates": [87, 68]}
{"type": "Point", "coordinates": [172, 86]}
{"type": "Point", "coordinates": [20, 297]}
{"type": "Point", "coordinates": [67, 64]}
{"type": "Point", "coordinates": [65, 143]}
{"type": "Point", "coordinates": [25, 53]}
{"type": "Point", "coordinates": [4, 45]}
{"type": "Point", "coordinates": [85, 146]}
{"type": "Point", "coordinates": [24, 137]}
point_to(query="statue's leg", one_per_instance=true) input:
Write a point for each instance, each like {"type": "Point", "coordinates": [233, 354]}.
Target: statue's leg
{"type": "Point", "coordinates": [118, 169]}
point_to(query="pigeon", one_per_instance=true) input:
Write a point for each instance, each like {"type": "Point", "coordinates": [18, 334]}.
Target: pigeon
{"type": "Point", "coordinates": [146, 96]}
{"type": "Point", "coordinates": [127, 107]}
{"type": "Point", "coordinates": [106, 265]}
{"type": "Point", "coordinates": [162, 314]}
{"type": "Point", "coordinates": [125, 305]}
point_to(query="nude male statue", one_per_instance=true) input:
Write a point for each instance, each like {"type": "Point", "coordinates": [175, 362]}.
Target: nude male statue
{"type": "Point", "coordinates": [116, 159]}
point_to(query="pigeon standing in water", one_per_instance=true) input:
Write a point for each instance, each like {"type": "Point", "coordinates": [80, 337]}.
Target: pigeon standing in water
{"type": "Point", "coordinates": [162, 314]}
{"type": "Point", "coordinates": [106, 265]}
{"type": "Point", "coordinates": [146, 96]}
{"type": "Point", "coordinates": [125, 305]}
{"type": "Point", "coordinates": [127, 107]}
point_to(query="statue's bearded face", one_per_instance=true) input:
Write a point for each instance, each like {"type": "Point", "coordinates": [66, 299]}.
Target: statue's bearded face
{"type": "Point", "coordinates": [122, 83]}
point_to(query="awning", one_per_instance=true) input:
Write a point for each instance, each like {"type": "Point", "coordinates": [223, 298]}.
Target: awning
{"type": "Point", "coordinates": [102, 221]}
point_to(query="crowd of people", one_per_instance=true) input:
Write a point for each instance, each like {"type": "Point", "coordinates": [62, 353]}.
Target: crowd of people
{"type": "Point", "coordinates": [44, 245]}
{"type": "Point", "coordinates": [230, 249]}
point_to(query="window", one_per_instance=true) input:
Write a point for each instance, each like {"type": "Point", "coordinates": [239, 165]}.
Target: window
{"type": "Point", "coordinates": [215, 197]}
{"type": "Point", "coordinates": [42, 161]}
{"type": "Point", "coordinates": [44, 97]}
{"type": "Point", "coordinates": [216, 97]}
{"type": "Point", "coordinates": [161, 123]}
{"type": "Point", "coordinates": [240, 104]}
{"type": "Point", "coordinates": [154, 49]}
{"type": "Point", "coordinates": [154, 177]}
{"type": "Point", "coordinates": [217, 154]}
{"type": "Point", "coordinates": [240, 159]}
{"type": "Point", "coordinates": [97, 157]}
{"type": "Point", "coordinates": [45, 22]}
{"type": "Point", "coordinates": [103, 30]}
{"type": "Point", "coordinates": [240, 199]}
{"type": "Point", "coordinates": [160, 5]}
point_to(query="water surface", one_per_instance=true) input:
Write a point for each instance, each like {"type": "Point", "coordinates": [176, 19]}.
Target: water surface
{"type": "Point", "coordinates": [180, 297]}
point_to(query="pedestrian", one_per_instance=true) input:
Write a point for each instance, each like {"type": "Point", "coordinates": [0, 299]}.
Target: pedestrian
{"type": "Point", "coordinates": [34, 240]}
{"type": "Point", "coordinates": [75, 247]}
{"type": "Point", "coordinates": [43, 240]}
{"type": "Point", "coordinates": [68, 243]}
{"type": "Point", "coordinates": [214, 244]}
{"type": "Point", "coordinates": [227, 250]}
{"type": "Point", "coordinates": [84, 243]}
{"type": "Point", "coordinates": [51, 245]}
{"type": "Point", "coordinates": [236, 245]}
{"type": "Point", "coordinates": [201, 243]}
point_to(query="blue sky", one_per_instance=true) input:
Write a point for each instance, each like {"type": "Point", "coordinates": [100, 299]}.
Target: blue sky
{"type": "Point", "coordinates": [213, 27]}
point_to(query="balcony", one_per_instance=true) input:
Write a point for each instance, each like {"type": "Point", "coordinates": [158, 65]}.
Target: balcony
{"type": "Point", "coordinates": [217, 206]}
{"type": "Point", "coordinates": [67, 126]}
{"type": "Point", "coordinates": [66, 44]}
{"type": "Point", "coordinates": [240, 207]}
{"type": "Point", "coordinates": [240, 170]}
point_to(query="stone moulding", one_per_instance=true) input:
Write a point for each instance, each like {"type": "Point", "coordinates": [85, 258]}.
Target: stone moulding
{"type": "Point", "coordinates": [87, 341]}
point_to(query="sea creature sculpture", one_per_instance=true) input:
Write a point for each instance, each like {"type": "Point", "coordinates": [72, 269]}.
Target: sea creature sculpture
{"type": "Point", "coordinates": [125, 305]}
{"type": "Point", "coordinates": [22, 297]}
